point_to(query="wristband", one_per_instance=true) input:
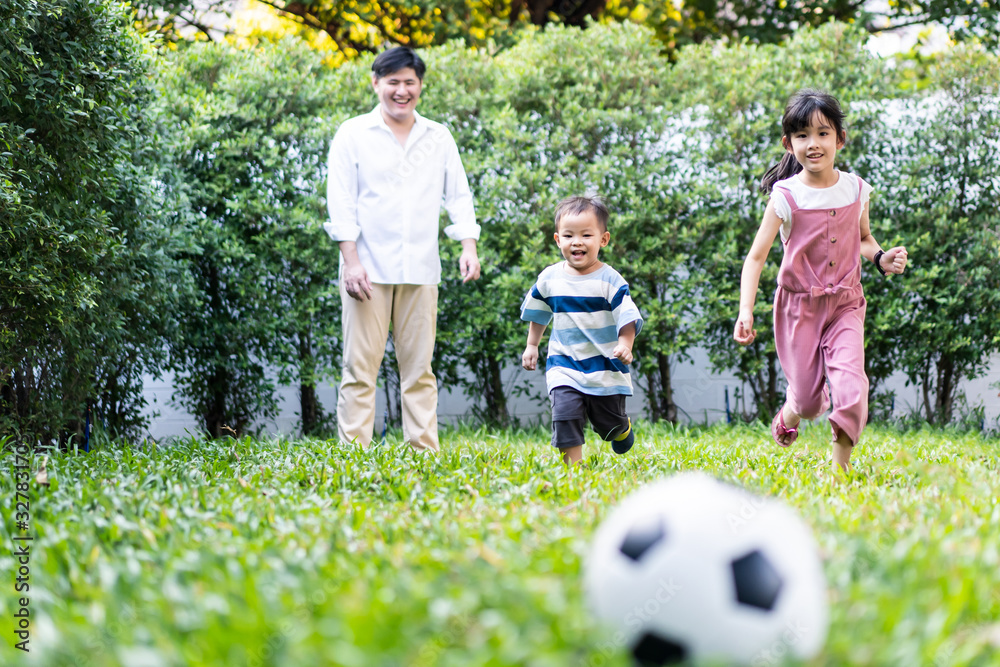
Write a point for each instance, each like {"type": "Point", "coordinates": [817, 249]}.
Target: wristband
{"type": "Point", "coordinates": [878, 261]}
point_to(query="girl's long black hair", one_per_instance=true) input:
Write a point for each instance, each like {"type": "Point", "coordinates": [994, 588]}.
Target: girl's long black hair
{"type": "Point", "coordinates": [798, 114]}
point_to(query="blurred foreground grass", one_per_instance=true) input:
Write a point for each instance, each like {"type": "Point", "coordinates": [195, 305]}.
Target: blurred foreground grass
{"type": "Point", "coordinates": [278, 552]}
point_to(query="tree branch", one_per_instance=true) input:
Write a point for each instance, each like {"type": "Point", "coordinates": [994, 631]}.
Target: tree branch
{"type": "Point", "coordinates": [298, 13]}
{"type": "Point", "coordinates": [194, 23]}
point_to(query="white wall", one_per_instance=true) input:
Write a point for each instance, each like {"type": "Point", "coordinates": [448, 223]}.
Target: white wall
{"type": "Point", "coordinates": [699, 394]}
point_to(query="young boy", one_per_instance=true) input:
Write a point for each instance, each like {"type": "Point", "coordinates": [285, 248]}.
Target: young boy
{"type": "Point", "coordinates": [594, 323]}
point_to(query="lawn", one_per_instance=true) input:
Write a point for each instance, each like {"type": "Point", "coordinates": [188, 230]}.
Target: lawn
{"type": "Point", "coordinates": [277, 552]}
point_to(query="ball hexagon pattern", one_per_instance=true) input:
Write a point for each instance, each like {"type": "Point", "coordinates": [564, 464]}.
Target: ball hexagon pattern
{"type": "Point", "coordinates": [691, 568]}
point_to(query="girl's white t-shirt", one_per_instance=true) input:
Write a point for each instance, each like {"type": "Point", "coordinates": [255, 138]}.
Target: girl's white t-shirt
{"type": "Point", "coordinates": [842, 193]}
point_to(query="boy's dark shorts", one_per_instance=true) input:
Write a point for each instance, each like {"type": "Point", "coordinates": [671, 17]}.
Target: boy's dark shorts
{"type": "Point", "coordinates": [571, 409]}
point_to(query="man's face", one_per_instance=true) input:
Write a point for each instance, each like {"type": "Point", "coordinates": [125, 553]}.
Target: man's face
{"type": "Point", "coordinates": [398, 94]}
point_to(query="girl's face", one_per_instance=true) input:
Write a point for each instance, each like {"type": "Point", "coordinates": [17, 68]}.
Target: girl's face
{"type": "Point", "coordinates": [815, 146]}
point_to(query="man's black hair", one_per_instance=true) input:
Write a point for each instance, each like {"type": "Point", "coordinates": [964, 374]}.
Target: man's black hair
{"type": "Point", "coordinates": [393, 60]}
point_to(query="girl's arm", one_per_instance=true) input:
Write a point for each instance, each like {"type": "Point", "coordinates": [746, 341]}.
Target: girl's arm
{"type": "Point", "coordinates": [892, 260]}
{"type": "Point", "coordinates": [754, 264]}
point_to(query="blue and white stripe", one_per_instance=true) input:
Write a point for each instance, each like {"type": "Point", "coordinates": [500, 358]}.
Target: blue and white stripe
{"type": "Point", "coordinates": [586, 313]}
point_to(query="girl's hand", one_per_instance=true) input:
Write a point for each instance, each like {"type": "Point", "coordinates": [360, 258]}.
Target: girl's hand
{"type": "Point", "coordinates": [894, 260]}
{"type": "Point", "coordinates": [744, 333]}
{"type": "Point", "coordinates": [622, 353]}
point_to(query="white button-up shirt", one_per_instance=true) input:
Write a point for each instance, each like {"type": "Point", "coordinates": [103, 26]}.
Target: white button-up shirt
{"type": "Point", "coordinates": [387, 197]}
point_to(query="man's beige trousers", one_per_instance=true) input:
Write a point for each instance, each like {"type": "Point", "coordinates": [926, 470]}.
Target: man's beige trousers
{"type": "Point", "coordinates": [412, 311]}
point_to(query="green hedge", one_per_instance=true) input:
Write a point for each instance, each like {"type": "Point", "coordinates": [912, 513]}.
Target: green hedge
{"type": "Point", "coordinates": [235, 197]}
{"type": "Point", "coordinates": [89, 284]}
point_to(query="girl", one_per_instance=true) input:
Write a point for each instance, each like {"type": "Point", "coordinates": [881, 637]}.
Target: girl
{"type": "Point", "coordinates": [819, 307]}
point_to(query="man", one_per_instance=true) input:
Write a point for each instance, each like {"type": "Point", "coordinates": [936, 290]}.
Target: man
{"type": "Point", "coordinates": [390, 170]}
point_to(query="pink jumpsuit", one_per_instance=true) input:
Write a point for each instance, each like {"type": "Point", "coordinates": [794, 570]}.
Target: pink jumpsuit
{"type": "Point", "coordinates": [819, 315]}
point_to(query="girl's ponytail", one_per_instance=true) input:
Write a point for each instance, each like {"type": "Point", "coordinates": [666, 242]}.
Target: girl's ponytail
{"type": "Point", "coordinates": [787, 168]}
{"type": "Point", "coordinates": [798, 114]}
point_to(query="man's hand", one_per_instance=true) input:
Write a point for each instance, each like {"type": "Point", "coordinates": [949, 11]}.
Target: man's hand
{"type": "Point", "coordinates": [622, 353]}
{"type": "Point", "coordinates": [468, 263]}
{"type": "Point", "coordinates": [353, 273]}
{"type": "Point", "coordinates": [356, 282]}
{"type": "Point", "coordinates": [529, 360]}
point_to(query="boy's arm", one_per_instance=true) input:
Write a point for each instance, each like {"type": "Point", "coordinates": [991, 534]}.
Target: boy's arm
{"type": "Point", "coordinates": [529, 360]}
{"type": "Point", "coordinates": [626, 338]}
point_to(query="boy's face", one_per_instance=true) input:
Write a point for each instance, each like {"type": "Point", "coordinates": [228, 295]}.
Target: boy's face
{"type": "Point", "coordinates": [580, 240]}
{"type": "Point", "coordinates": [398, 94]}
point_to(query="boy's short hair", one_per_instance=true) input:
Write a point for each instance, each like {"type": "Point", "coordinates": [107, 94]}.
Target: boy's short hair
{"type": "Point", "coordinates": [582, 204]}
{"type": "Point", "coordinates": [396, 59]}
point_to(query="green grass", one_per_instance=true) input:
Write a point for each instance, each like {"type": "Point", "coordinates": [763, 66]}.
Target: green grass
{"type": "Point", "coordinates": [276, 552]}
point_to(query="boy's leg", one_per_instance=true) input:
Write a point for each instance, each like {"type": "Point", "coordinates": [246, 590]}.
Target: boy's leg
{"type": "Point", "coordinates": [568, 420]}
{"type": "Point", "coordinates": [572, 455]}
{"type": "Point", "coordinates": [608, 417]}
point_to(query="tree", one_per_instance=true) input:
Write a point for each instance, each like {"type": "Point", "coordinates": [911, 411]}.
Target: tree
{"type": "Point", "coordinates": [362, 26]}
{"type": "Point", "coordinates": [463, 91]}
{"type": "Point", "coordinates": [89, 284]}
{"type": "Point", "coordinates": [756, 21]}
{"type": "Point", "coordinates": [175, 20]}
{"type": "Point", "coordinates": [357, 27]}
{"type": "Point", "coordinates": [768, 22]}
{"type": "Point", "coordinates": [553, 117]}
{"type": "Point", "coordinates": [937, 165]}
{"type": "Point", "coordinates": [965, 21]}
{"type": "Point", "coordinates": [254, 134]}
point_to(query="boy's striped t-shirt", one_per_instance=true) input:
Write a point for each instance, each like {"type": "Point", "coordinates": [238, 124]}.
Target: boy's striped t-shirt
{"type": "Point", "coordinates": [586, 313]}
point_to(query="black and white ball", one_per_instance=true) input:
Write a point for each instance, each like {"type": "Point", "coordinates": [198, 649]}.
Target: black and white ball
{"type": "Point", "coordinates": [690, 568]}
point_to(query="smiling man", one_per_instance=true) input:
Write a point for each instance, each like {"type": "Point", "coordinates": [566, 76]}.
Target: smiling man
{"type": "Point", "coordinates": [390, 171]}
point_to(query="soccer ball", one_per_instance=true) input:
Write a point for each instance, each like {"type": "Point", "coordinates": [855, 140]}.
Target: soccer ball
{"type": "Point", "coordinates": [691, 568]}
